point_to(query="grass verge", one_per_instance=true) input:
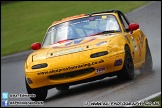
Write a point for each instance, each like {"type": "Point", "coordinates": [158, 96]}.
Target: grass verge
{"type": "Point", "coordinates": [25, 22]}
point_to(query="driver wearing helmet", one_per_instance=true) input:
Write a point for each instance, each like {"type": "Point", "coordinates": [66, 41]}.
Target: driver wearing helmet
{"type": "Point", "coordinates": [112, 25]}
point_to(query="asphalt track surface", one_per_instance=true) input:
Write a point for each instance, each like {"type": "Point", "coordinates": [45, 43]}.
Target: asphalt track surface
{"type": "Point", "coordinates": [108, 89]}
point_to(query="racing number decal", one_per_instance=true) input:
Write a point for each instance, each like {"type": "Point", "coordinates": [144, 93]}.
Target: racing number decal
{"type": "Point", "coordinates": [139, 45]}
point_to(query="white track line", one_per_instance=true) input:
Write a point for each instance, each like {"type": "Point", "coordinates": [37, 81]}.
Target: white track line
{"type": "Point", "coordinates": [150, 97]}
{"type": "Point", "coordinates": [145, 99]}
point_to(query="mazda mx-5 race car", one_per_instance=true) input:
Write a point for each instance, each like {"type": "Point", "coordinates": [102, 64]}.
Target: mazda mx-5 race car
{"type": "Point", "coordinates": [85, 48]}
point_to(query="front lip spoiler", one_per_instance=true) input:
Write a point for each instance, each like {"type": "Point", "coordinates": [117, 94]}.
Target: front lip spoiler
{"type": "Point", "coordinates": [81, 81]}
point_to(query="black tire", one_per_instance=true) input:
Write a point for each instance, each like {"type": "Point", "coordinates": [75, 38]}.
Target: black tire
{"type": "Point", "coordinates": [62, 87]}
{"type": "Point", "coordinates": [147, 66]}
{"type": "Point", "coordinates": [41, 94]}
{"type": "Point", "coordinates": [127, 72]}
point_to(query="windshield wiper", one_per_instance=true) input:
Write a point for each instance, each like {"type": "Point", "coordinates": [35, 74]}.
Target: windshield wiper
{"type": "Point", "coordinates": [72, 38]}
{"type": "Point", "coordinates": [109, 31]}
{"type": "Point", "coordinates": [62, 41]}
{"type": "Point", "coordinates": [103, 32]}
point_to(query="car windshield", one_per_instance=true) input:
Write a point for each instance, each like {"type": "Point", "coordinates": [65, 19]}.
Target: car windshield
{"type": "Point", "coordinates": [82, 27]}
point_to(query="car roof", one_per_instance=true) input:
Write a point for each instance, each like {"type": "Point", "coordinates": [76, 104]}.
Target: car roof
{"type": "Point", "coordinates": [84, 15]}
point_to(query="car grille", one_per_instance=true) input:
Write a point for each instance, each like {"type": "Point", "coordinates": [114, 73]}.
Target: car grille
{"type": "Point", "coordinates": [72, 74]}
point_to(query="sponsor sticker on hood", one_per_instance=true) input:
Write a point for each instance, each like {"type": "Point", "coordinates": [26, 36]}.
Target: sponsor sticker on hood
{"type": "Point", "coordinates": [74, 50]}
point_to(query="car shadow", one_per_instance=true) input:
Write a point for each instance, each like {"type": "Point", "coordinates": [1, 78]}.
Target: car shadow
{"type": "Point", "coordinates": [108, 82]}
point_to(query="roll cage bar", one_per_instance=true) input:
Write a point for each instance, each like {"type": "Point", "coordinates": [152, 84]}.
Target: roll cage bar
{"type": "Point", "coordinates": [110, 11]}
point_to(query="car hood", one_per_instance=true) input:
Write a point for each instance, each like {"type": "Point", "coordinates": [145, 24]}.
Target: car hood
{"type": "Point", "coordinates": [72, 46]}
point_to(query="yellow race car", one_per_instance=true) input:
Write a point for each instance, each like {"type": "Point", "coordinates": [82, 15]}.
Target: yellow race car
{"type": "Point", "coordinates": [84, 48]}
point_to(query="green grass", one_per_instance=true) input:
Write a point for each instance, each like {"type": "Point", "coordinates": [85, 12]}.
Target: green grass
{"type": "Point", "coordinates": [25, 22]}
{"type": "Point", "coordinates": [155, 100]}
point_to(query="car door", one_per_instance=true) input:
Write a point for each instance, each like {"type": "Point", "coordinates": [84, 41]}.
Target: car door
{"type": "Point", "coordinates": [139, 39]}
{"type": "Point", "coordinates": [134, 39]}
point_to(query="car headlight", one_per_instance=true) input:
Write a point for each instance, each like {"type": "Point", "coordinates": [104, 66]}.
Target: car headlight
{"type": "Point", "coordinates": [43, 65]}
{"type": "Point", "coordinates": [98, 54]}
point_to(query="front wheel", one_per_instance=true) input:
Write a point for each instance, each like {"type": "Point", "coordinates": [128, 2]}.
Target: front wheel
{"type": "Point", "coordinates": [127, 72]}
{"type": "Point", "coordinates": [41, 94]}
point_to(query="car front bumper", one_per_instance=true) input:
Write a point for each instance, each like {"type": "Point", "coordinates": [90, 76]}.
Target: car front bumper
{"type": "Point", "coordinates": [91, 68]}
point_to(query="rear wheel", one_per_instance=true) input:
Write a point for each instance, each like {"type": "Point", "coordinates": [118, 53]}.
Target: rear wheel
{"type": "Point", "coordinates": [41, 94]}
{"type": "Point", "coordinates": [127, 72]}
{"type": "Point", "coordinates": [147, 66]}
